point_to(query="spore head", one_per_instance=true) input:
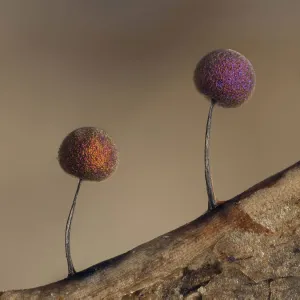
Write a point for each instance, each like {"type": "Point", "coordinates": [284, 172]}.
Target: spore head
{"type": "Point", "coordinates": [88, 153]}
{"type": "Point", "coordinates": [225, 76]}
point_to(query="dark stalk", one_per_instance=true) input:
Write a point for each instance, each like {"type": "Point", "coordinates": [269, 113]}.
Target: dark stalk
{"type": "Point", "coordinates": [71, 270]}
{"type": "Point", "coordinates": [212, 203]}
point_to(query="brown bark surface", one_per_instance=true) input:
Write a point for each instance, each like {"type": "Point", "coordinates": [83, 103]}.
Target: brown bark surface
{"type": "Point", "coordinates": [247, 248]}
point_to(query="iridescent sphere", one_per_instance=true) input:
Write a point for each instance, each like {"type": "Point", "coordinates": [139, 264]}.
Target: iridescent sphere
{"type": "Point", "coordinates": [226, 77]}
{"type": "Point", "coordinates": [89, 154]}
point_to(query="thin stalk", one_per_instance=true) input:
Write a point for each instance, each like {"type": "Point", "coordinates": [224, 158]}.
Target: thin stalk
{"type": "Point", "coordinates": [212, 203]}
{"type": "Point", "coordinates": [71, 270]}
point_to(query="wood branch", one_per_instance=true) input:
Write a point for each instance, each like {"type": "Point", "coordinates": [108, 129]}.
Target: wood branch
{"type": "Point", "coordinates": [247, 248]}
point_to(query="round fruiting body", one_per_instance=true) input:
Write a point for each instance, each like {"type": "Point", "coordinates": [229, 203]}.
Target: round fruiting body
{"type": "Point", "coordinates": [226, 77]}
{"type": "Point", "coordinates": [88, 153]}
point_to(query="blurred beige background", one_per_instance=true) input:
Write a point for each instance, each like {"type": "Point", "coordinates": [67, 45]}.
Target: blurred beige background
{"type": "Point", "coordinates": [128, 68]}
